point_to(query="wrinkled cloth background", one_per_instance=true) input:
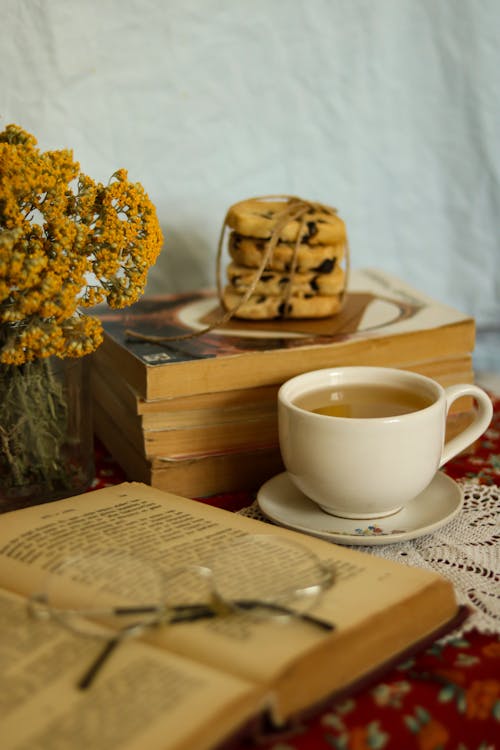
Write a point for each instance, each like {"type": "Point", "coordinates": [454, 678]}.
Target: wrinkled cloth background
{"type": "Point", "coordinates": [387, 109]}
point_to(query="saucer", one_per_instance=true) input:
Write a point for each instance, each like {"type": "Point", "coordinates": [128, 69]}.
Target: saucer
{"type": "Point", "coordinates": [280, 501]}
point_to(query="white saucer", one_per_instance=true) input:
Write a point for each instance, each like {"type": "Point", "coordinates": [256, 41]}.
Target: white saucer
{"type": "Point", "coordinates": [281, 502]}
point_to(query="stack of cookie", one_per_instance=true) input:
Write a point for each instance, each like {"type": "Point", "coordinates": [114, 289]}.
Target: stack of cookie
{"type": "Point", "coordinates": [303, 276]}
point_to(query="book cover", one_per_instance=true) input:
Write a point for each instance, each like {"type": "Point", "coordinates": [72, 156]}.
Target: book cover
{"type": "Point", "coordinates": [384, 321]}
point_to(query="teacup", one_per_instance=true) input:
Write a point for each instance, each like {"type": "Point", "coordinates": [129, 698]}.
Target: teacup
{"type": "Point", "coordinates": [380, 442]}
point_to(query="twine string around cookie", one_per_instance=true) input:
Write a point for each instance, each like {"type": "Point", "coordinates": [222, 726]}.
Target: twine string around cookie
{"type": "Point", "coordinates": [293, 209]}
{"type": "Point", "coordinates": [293, 265]}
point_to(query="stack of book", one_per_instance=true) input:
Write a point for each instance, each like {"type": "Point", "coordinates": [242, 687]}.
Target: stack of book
{"type": "Point", "coordinates": [197, 415]}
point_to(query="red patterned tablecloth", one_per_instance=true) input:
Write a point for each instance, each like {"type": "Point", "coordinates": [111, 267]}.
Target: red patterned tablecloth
{"type": "Point", "coordinates": [446, 698]}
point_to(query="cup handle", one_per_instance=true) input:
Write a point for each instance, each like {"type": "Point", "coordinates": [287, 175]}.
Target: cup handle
{"type": "Point", "coordinates": [479, 425]}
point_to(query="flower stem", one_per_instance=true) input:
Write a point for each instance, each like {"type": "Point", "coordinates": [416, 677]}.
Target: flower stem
{"type": "Point", "coordinates": [33, 419]}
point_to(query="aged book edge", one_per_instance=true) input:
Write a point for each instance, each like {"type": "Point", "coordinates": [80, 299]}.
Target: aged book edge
{"type": "Point", "coordinates": [445, 370]}
{"type": "Point", "coordinates": [192, 476]}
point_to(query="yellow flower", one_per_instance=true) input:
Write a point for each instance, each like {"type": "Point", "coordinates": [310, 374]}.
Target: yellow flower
{"type": "Point", "coordinates": [66, 242]}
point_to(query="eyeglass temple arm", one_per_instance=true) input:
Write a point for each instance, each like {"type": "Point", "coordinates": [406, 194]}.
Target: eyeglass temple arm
{"type": "Point", "coordinates": [173, 614]}
{"type": "Point", "coordinates": [184, 613]}
{"type": "Point", "coordinates": [88, 678]}
{"type": "Point", "coordinates": [281, 608]}
{"type": "Point", "coordinates": [192, 612]}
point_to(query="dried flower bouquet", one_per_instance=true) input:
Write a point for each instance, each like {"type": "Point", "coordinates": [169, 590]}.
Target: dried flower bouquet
{"type": "Point", "coordinates": [66, 243]}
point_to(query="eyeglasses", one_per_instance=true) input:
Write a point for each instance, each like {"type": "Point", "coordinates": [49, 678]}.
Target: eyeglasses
{"type": "Point", "coordinates": [259, 577]}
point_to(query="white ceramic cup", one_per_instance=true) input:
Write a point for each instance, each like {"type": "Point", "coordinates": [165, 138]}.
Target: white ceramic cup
{"type": "Point", "coordinates": [371, 467]}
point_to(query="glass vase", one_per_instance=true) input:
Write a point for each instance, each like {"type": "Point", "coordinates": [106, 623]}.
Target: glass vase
{"type": "Point", "coordinates": [46, 439]}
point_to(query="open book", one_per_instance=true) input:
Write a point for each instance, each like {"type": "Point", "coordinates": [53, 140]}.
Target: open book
{"type": "Point", "coordinates": [188, 685]}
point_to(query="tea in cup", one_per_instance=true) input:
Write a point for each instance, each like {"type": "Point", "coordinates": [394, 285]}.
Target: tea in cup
{"type": "Point", "coordinates": [362, 442]}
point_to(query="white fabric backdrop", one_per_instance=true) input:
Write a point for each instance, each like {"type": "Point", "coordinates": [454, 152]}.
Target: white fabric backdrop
{"type": "Point", "coordinates": [387, 109]}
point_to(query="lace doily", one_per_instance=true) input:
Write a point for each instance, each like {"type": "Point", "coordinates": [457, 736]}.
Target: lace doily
{"type": "Point", "coordinates": [465, 551]}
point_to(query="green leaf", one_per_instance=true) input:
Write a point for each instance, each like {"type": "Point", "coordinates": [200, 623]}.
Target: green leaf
{"type": "Point", "coordinates": [412, 724]}
{"type": "Point", "coordinates": [459, 643]}
{"type": "Point", "coordinates": [378, 741]}
{"type": "Point", "coordinates": [447, 694]}
{"type": "Point", "coordinates": [422, 714]}
{"type": "Point", "coordinates": [376, 737]}
{"type": "Point", "coordinates": [403, 666]}
{"type": "Point", "coordinates": [461, 702]}
{"type": "Point", "coordinates": [332, 721]}
{"type": "Point", "coordinates": [339, 743]}
{"type": "Point", "coordinates": [345, 706]}
{"type": "Point", "coordinates": [466, 660]}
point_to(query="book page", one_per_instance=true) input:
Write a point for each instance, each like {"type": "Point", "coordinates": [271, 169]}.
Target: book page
{"type": "Point", "coordinates": [171, 531]}
{"type": "Point", "coordinates": [141, 698]}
